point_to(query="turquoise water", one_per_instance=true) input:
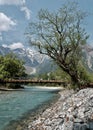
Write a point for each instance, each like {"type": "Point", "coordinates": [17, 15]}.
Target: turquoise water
{"type": "Point", "coordinates": [14, 104]}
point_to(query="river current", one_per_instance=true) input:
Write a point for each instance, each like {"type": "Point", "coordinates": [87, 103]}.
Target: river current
{"type": "Point", "coordinates": [14, 104]}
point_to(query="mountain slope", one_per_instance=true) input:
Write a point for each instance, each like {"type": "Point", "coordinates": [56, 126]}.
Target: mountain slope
{"type": "Point", "coordinates": [88, 57]}
{"type": "Point", "coordinates": [37, 63]}
{"type": "Point", "coordinates": [34, 61]}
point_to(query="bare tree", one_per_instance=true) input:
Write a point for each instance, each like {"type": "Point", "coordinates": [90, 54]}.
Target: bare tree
{"type": "Point", "coordinates": [60, 35]}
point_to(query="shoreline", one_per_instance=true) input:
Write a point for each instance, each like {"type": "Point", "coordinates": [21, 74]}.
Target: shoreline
{"type": "Point", "coordinates": [10, 89]}
{"type": "Point", "coordinates": [51, 112]}
{"type": "Point", "coordinates": [2, 88]}
{"type": "Point", "coordinates": [23, 88]}
{"type": "Point", "coordinates": [72, 111]}
{"type": "Point", "coordinates": [31, 115]}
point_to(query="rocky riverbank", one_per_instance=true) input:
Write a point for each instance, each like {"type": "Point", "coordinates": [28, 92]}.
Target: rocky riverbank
{"type": "Point", "coordinates": [73, 111]}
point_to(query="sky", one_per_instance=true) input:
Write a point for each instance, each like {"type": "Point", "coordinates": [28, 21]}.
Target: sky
{"type": "Point", "coordinates": [15, 16]}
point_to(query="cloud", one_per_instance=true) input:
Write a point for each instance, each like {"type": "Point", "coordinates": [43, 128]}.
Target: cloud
{"type": "Point", "coordinates": [12, 2]}
{"type": "Point", "coordinates": [27, 12]}
{"type": "Point", "coordinates": [21, 3]}
{"type": "Point", "coordinates": [5, 22]}
{"type": "Point", "coordinates": [16, 45]}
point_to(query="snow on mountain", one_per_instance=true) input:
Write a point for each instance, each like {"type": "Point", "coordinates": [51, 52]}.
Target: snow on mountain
{"type": "Point", "coordinates": [4, 50]}
{"type": "Point", "coordinates": [25, 54]}
{"type": "Point", "coordinates": [32, 59]}
{"type": "Point", "coordinates": [37, 63]}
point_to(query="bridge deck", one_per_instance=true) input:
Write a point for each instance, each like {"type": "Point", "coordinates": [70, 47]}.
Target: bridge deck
{"type": "Point", "coordinates": [32, 81]}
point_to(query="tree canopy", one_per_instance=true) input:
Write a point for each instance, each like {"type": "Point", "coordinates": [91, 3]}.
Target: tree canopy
{"type": "Point", "coordinates": [60, 35]}
{"type": "Point", "coordinates": [11, 67]}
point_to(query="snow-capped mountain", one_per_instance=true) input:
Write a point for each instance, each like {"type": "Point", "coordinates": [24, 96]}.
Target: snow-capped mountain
{"type": "Point", "coordinates": [31, 58]}
{"type": "Point", "coordinates": [4, 50]}
{"type": "Point", "coordinates": [37, 63]}
{"type": "Point", "coordinates": [34, 61]}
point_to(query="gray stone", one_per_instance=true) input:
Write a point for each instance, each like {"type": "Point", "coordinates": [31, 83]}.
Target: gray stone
{"type": "Point", "coordinates": [91, 125]}
{"type": "Point", "coordinates": [78, 126]}
{"type": "Point", "coordinates": [67, 126]}
{"type": "Point", "coordinates": [77, 120]}
{"type": "Point", "coordinates": [71, 112]}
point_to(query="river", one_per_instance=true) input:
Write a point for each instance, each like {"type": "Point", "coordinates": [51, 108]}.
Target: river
{"type": "Point", "coordinates": [15, 104]}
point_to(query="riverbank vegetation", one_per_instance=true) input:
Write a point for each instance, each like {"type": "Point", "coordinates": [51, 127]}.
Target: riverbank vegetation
{"type": "Point", "coordinates": [11, 67]}
{"type": "Point", "coordinates": [61, 35]}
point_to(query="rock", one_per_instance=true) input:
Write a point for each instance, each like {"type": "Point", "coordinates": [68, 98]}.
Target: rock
{"type": "Point", "coordinates": [73, 111]}
{"type": "Point", "coordinates": [77, 120]}
{"type": "Point", "coordinates": [90, 124]}
{"type": "Point", "coordinates": [67, 126]}
{"type": "Point", "coordinates": [78, 126]}
{"type": "Point", "coordinates": [81, 112]}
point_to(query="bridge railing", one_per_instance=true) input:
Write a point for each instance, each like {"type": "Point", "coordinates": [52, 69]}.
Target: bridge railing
{"type": "Point", "coordinates": [32, 81]}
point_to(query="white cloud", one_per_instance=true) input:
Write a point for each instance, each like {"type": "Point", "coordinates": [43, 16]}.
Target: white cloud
{"type": "Point", "coordinates": [21, 3]}
{"type": "Point", "coordinates": [5, 22]}
{"type": "Point", "coordinates": [27, 12]}
{"type": "Point", "coordinates": [16, 45]}
{"type": "Point", "coordinates": [12, 2]}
